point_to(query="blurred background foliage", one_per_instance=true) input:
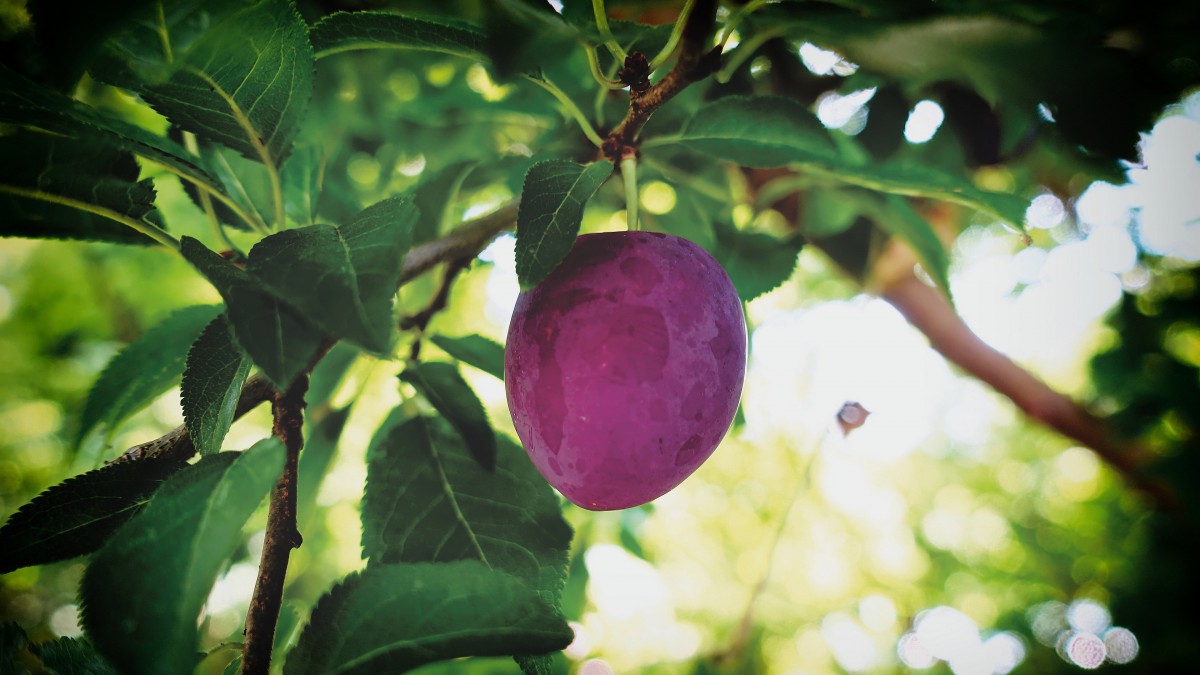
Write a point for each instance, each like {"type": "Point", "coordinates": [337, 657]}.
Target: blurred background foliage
{"type": "Point", "coordinates": [947, 532]}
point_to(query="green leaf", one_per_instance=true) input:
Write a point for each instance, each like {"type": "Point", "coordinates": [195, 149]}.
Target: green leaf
{"type": "Point", "coordinates": [535, 665]}
{"type": "Point", "coordinates": [760, 131]}
{"type": "Point", "coordinates": [62, 188]}
{"type": "Point", "coordinates": [143, 370]}
{"type": "Point", "coordinates": [392, 618]}
{"type": "Point", "coordinates": [766, 132]}
{"type": "Point", "coordinates": [278, 338]}
{"type": "Point", "coordinates": [212, 383]}
{"type": "Point", "coordinates": [900, 220]}
{"type": "Point", "coordinates": [828, 212]}
{"type": "Point", "coordinates": [72, 657]}
{"type": "Point", "coordinates": [918, 180]}
{"type": "Point", "coordinates": [428, 500]}
{"type": "Point", "coordinates": [235, 74]}
{"type": "Point", "coordinates": [552, 202]}
{"type": "Point", "coordinates": [474, 350]}
{"type": "Point", "coordinates": [342, 278]}
{"type": "Point", "coordinates": [348, 31]}
{"type": "Point", "coordinates": [142, 592]}
{"type": "Point", "coordinates": [525, 36]}
{"type": "Point", "coordinates": [320, 443]}
{"type": "Point", "coordinates": [79, 514]}
{"type": "Point", "coordinates": [435, 198]}
{"type": "Point", "coordinates": [303, 175]}
{"type": "Point", "coordinates": [26, 104]}
{"type": "Point", "coordinates": [449, 393]}
{"type": "Point", "coordinates": [756, 262]}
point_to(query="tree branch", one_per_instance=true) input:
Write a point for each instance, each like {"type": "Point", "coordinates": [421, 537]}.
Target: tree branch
{"type": "Point", "coordinates": [929, 312]}
{"type": "Point", "coordinates": [697, 60]}
{"type": "Point", "coordinates": [281, 534]}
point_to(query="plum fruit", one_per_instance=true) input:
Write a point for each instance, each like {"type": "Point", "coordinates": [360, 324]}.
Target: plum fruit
{"type": "Point", "coordinates": [624, 367]}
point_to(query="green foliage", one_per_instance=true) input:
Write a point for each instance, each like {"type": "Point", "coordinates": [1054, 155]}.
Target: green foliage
{"type": "Point", "coordinates": [264, 126]}
{"type": "Point", "coordinates": [756, 262]}
{"type": "Point", "coordinates": [71, 189]}
{"type": "Point", "coordinates": [235, 74]}
{"type": "Point", "coordinates": [446, 390]}
{"type": "Point", "coordinates": [507, 518]}
{"type": "Point", "coordinates": [143, 370]}
{"type": "Point", "coordinates": [474, 350]}
{"type": "Point", "coordinates": [78, 515]}
{"type": "Point", "coordinates": [444, 611]}
{"type": "Point", "coordinates": [341, 278]}
{"type": "Point", "coordinates": [212, 384]}
{"type": "Point", "coordinates": [260, 319]}
{"type": "Point", "coordinates": [552, 202]}
{"type": "Point", "coordinates": [143, 590]}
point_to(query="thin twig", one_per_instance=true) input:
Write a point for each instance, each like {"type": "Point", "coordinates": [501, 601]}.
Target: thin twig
{"type": "Point", "coordinates": [420, 321]}
{"type": "Point", "coordinates": [281, 535]}
{"type": "Point", "coordinates": [697, 60]}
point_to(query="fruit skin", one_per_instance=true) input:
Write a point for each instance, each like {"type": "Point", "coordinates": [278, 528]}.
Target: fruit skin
{"type": "Point", "coordinates": [624, 367]}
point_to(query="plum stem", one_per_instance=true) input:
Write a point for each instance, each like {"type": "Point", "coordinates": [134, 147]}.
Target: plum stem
{"type": "Point", "coordinates": [629, 174]}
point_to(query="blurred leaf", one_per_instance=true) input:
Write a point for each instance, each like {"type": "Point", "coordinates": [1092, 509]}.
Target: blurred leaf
{"type": "Point", "coordinates": [320, 443]}
{"type": "Point", "coordinates": [303, 175]}
{"type": "Point", "coordinates": [446, 390]}
{"type": "Point", "coordinates": [474, 350]}
{"type": "Point", "coordinates": [142, 592]}
{"type": "Point", "coordinates": [66, 656]}
{"type": "Point", "coordinates": [435, 197]}
{"type": "Point", "coordinates": [79, 514]}
{"type": "Point", "coordinates": [756, 262]}
{"type": "Point", "coordinates": [235, 74]}
{"type": "Point", "coordinates": [327, 376]}
{"type": "Point", "coordinates": [59, 188]}
{"type": "Point", "coordinates": [900, 220]}
{"type": "Point", "coordinates": [279, 339]}
{"type": "Point", "coordinates": [760, 132]}
{"type": "Point", "coordinates": [212, 383]}
{"type": "Point", "coordinates": [525, 36]}
{"type": "Point", "coordinates": [428, 500]}
{"type": "Point", "coordinates": [348, 31]}
{"type": "Point", "coordinates": [30, 105]}
{"type": "Point", "coordinates": [68, 33]}
{"type": "Point", "coordinates": [144, 369]}
{"type": "Point", "coordinates": [552, 202]}
{"type": "Point", "coordinates": [831, 211]}
{"type": "Point", "coordinates": [342, 278]}
{"type": "Point", "coordinates": [392, 618]}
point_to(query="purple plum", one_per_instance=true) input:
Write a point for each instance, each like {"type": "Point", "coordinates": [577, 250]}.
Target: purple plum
{"type": "Point", "coordinates": [624, 367]}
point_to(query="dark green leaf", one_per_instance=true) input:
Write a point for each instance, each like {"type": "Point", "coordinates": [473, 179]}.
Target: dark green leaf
{"type": "Point", "coordinates": [756, 262]}
{"type": "Point", "coordinates": [535, 665]}
{"type": "Point", "coordinates": [348, 31]}
{"type": "Point", "coordinates": [342, 278]}
{"type": "Point", "coordinates": [900, 220]}
{"type": "Point", "coordinates": [552, 202]}
{"type": "Point", "coordinates": [392, 618]}
{"type": "Point", "coordinates": [435, 197]}
{"type": "Point", "coordinates": [428, 500]}
{"type": "Point", "coordinates": [142, 592]}
{"type": "Point", "coordinates": [68, 33]}
{"type": "Point", "coordinates": [78, 515]}
{"type": "Point", "coordinates": [278, 338]}
{"type": "Point", "coordinates": [235, 74]}
{"type": "Point", "coordinates": [760, 131]}
{"type": "Point", "coordinates": [144, 369]}
{"type": "Point", "coordinates": [65, 656]}
{"type": "Point", "coordinates": [61, 188]}
{"type": "Point", "coordinates": [474, 350]}
{"type": "Point", "coordinates": [212, 382]}
{"type": "Point", "coordinates": [444, 387]}
{"type": "Point", "coordinates": [14, 647]}
{"type": "Point", "coordinates": [526, 36]}
{"type": "Point", "coordinates": [30, 105]}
